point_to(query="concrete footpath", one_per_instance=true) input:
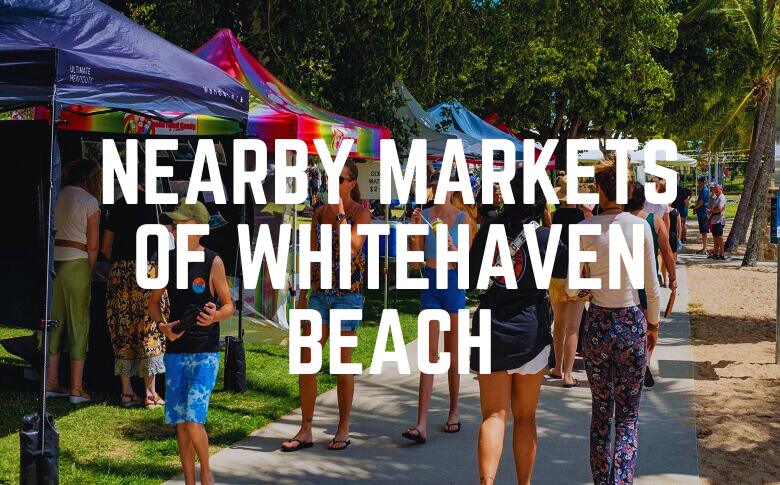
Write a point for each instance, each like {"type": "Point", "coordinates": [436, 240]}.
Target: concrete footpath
{"type": "Point", "coordinates": [386, 404]}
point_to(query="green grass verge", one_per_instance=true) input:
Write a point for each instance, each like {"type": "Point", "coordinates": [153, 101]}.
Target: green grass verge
{"type": "Point", "coordinates": [104, 444]}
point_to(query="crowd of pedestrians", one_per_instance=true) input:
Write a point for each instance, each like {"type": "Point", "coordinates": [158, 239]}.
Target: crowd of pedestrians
{"type": "Point", "coordinates": [175, 331]}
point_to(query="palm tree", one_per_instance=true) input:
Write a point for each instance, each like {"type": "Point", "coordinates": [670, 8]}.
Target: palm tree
{"type": "Point", "coordinates": [758, 20]}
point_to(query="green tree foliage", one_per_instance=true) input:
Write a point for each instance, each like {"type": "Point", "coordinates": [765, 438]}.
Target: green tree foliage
{"type": "Point", "coordinates": [756, 22]}
{"type": "Point", "coordinates": [562, 68]}
{"type": "Point", "coordinates": [710, 67]}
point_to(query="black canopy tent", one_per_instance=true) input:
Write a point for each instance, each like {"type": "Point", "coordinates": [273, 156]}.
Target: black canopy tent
{"type": "Point", "coordinates": [59, 54]}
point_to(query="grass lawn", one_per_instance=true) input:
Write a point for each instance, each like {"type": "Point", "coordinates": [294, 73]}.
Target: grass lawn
{"type": "Point", "coordinates": [102, 443]}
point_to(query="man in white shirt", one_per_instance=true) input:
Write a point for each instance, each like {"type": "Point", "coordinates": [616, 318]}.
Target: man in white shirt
{"type": "Point", "coordinates": [717, 217]}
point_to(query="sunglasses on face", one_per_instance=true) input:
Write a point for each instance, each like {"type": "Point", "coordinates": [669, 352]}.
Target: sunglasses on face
{"type": "Point", "coordinates": [343, 179]}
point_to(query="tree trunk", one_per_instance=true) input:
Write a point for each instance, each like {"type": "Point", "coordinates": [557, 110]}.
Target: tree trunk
{"type": "Point", "coordinates": [758, 231]}
{"type": "Point", "coordinates": [742, 217]}
{"type": "Point", "coordinates": [766, 143]}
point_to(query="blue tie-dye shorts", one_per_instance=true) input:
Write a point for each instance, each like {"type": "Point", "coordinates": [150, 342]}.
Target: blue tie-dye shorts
{"type": "Point", "coordinates": [189, 380]}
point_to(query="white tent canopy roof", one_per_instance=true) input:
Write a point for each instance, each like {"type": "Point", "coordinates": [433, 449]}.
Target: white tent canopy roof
{"type": "Point", "coordinates": [639, 156]}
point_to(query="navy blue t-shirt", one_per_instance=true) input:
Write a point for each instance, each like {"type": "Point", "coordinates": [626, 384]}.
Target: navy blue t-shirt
{"type": "Point", "coordinates": [704, 197]}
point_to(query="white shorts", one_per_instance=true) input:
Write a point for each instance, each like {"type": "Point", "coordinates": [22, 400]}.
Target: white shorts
{"type": "Point", "coordinates": [535, 365]}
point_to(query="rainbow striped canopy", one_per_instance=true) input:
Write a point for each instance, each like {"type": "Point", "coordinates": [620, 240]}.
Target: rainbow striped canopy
{"type": "Point", "coordinates": [276, 111]}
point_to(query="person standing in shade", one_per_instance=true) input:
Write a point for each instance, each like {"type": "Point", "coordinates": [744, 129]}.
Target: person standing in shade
{"type": "Point", "coordinates": [349, 210]}
{"type": "Point", "coordinates": [314, 177]}
{"type": "Point", "coordinates": [681, 203]}
{"type": "Point", "coordinates": [76, 244]}
{"type": "Point", "coordinates": [675, 244]}
{"type": "Point", "coordinates": [717, 219]}
{"type": "Point", "coordinates": [618, 337]}
{"type": "Point", "coordinates": [192, 332]}
{"type": "Point", "coordinates": [661, 249]}
{"type": "Point", "coordinates": [567, 310]}
{"type": "Point", "coordinates": [451, 299]}
{"type": "Point", "coordinates": [519, 337]}
{"type": "Point", "coordinates": [700, 208]}
{"type": "Point", "coordinates": [138, 343]}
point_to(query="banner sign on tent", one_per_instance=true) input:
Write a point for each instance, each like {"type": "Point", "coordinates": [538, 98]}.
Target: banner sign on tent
{"type": "Point", "coordinates": [93, 119]}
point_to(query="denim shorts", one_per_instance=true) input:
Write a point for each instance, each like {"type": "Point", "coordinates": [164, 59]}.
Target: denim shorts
{"type": "Point", "coordinates": [189, 380]}
{"type": "Point", "coordinates": [704, 225]}
{"type": "Point", "coordinates": [451, 299]}
{"type": "Point", "coordinates": [325, 302]}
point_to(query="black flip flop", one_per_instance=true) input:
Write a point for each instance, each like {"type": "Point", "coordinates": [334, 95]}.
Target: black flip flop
{"type": "Point", "coordinates": [576, 383]}
{"type": "Point", "coordinates": [553, 376]}
{"type": "Point", "coordinates": [334, 441]}
{"type": "Point", "coordinates": [447, 427]}
{"type": "Point", "coordinates": [417, 438]}
{"type": "Point", "coordinates": [302, 445]}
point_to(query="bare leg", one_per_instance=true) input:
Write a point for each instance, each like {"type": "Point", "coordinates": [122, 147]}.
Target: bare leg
{"type": "Point", "coordinates": [573, 316]}
{"type": "Point", "coordinates": [704, 242]}
{"type": "Point", "coordinates": [453, 377]}
{"type": "Point", "coordinates": [495, 391]}
{"type": "Point", "coordinates": [307, 384]}
{"type": "Point", "coordinates": [127, 389]}
{"type": "Point", "coordinates": [186, 453]}
{"type": "Point", "coordinates": [664, 272]}
{"type": "Point", "coordinates": [345, 391]}
{"type": "Point", "coordinates": [525, 397]}
{"type": "Point", "coordinates": [53, 374]}
{"type": "Point", "coordinates": [77, 378]}
{"type": "Point", "coordinates": [426, 383]}
{"type": "Point", "coordinates": [559, 335]}
{"type": "Point", "coordinates": [200, 443]}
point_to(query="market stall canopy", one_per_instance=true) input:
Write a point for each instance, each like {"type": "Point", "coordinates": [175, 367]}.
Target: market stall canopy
{"type": "Point", "coordinates": [455, 114]}
{"type": "Point", "coordinates": [85, 53]}
{"type": "Point", "coordinates": [273, 105]}
{"type": "Point", "coordinates": [428, 128]}
{"type": "Point", "coordinates": [680, 161]}
{"type": "Point", "coordinates": [638, 156]}
{"type": "Point", "coordinates": [496, 121]}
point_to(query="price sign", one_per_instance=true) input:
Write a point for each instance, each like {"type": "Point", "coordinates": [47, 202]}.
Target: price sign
{"type": "Point", "coordinates": [369, 181]}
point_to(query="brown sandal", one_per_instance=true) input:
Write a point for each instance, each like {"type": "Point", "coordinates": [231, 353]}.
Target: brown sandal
{"type": "Point", "coordinates": [130, 400]}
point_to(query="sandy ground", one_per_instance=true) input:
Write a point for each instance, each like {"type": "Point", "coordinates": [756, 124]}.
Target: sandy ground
{"type": "Point", "coordinates": [737, 382]}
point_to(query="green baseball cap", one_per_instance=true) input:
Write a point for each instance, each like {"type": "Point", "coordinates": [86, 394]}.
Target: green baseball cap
{"type": "Point", "coordinates": [190, 212]}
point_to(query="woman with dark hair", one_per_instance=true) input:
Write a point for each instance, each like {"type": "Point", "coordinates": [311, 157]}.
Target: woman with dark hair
{"type": "Point", "coordinates": [77, 221]}
{"type": "Point", "coordinates": [618, 336]}
{"type": "Point", "coordinates": [450, 299]}
{"type": "Point", "coordinates": [661, 245]}
{"type": "Point", "coordinates": [520, 338]}
{"type": "Point", "coordinates": [567, 310]}
{"type": "Point", "coordinates": [349, 210]}
{"type": "Point", "coordinates": [137, 341]}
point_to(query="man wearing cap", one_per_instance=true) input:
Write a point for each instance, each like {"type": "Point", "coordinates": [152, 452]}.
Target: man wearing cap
{"type": "Point", "coordinates": [192, 332]}
{"type": "Point", "coordinates": [702, 203]}
{"type": "Point", "coordinates": [717, 221]}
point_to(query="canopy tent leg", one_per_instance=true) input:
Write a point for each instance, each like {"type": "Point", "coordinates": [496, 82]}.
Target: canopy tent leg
{"type": "Point", "coordinates": [387, 254]}
{"type": "Point", "coordinates": [38, 437]}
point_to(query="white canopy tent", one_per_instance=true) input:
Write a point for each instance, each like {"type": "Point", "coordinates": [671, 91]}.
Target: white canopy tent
{"type": "Point", "coordinates": [638, 156]}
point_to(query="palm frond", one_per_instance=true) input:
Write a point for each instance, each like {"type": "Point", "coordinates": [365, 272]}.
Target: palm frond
{"type": "Point", "coordinates": [724, 130]}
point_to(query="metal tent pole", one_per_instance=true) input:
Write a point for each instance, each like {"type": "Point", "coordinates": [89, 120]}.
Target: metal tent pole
{"type": "Point", "coordinates": [387, 254]}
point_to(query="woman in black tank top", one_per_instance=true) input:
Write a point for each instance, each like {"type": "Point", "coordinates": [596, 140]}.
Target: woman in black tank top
{"type": "Point", "coordinates": [192, 332]}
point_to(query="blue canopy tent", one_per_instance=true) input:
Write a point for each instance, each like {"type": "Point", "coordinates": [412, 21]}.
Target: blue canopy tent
{"type": "Point", "coordinates": [456, 115]}
{"type": "Point", "coordinates": [83, 52]}
{"type": "Point", "coordinates": [428, 128]}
